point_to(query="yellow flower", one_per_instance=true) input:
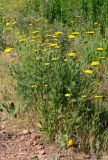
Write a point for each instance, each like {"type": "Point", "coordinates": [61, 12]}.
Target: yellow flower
{"type": "Point", "coordinates": [68, 95]}
{"type": "Point", "coordinates": [58, 33]}
{"type": "Point", "coordinates": [90, 33]}
{"type": "Point", "coordinates": [75, 33]}
{"type": "Point", "coordinates": [35, 32]}
{"type": "Point", "coordinates": [52, 44]}
{"type": "Point", "coordinates": [8, 50]}
{"type": "Point", "coordinates": [12, 60]}
{"type": "Point", "coordinates": [98, 97]}
{"type": "Point", "coordinates": [71, 54]}
{"type": "Point", "coordinates": [71, 36]}
{"type": "Point", "coordinates": [8, 29]}
{"type": "Point", "coordinates": [88, 71]}
{"type": "Point", "coordinates": [70, 142]}
{"type": "Point", "coordinates": [99, 49]}
{"type": "Point", "coordinates": [33, 86]}
{"type": "Point", "coordinates": [4, 17]}
{"type": "Point", "coordinates": [22, 40]}
{"type": "Point", "coordinates": [56, 46]}
{"type": "Point", "coordinates": [55, 59]}
{"type": "Point", "coordinates": [47, 36]}
{"type": "Point", "coordinates": [37, 20]}
{"type": "Point", "coordinates": [14, 23]}
{"type": "Point", "coordinates": [32, 40]}
{"type": "Point", "coordinates": [102, 57]}
{"type": "Point", "coordinates": [65, 60]}
{"type": "Point", "coordinates": [38, 58]}
{"type": "Point", "coordinates": [84, 96]}
{"type": "Point", "coordinates": [55, 36]}
{"type": "Point", "coordinates": [46, 85]}
{"type": "Point", "coordinates": [7, 24]}
{"type": "Point", "coordinates": [95, 23]}
{"type": "Point", "coordinates": [55, 39]}
{"type": "Point", "coordinates": [95, 63]}
{"type": "Point", "coordinates": [46, 64]}
{"type": "Point", "coordinates": [30, 24]}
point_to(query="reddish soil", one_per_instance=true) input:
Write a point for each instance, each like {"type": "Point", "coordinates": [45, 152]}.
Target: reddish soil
{"type": "Point", "coordinates": [28, 144]}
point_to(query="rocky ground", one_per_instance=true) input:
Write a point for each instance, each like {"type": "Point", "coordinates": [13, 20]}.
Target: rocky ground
{"type": "Point", "coordinates": [28, 144]}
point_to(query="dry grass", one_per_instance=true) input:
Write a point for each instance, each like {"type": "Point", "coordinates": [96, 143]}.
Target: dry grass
{"type": "Point", "coordinates": [7, 92]}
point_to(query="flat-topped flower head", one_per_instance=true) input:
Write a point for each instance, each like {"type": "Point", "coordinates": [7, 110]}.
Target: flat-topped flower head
{"type": "Point", "coordinates": [8, 24]}
{"type": "Point", "coordinates": [99, 49]}
{"type": "Point", "coordinates": [3, 17]}
{"type": "Point", "coordinates": [55, 36]}
{"type": "Point", "coordinates": [32, 40]}
{"type": "Point", "coordinates": [75, 33]}
{"type": "Point", "coordinates": [35, 32]}
{"type": "Point", "coordinates": [12, 60]}
{"type": "Point", "coordinates": [58, 33]}
{"type": "Point", "coordinates": [22, 40]}
{"type": "Point", "coordinates": [68, 94]}
{"type": "Point", "coordinates": [14, 23]}
{"type": "Point", "coordinates": [90, 33]}
{"type": "Point", "coordinates": [8, 50]}
{"type": "Point", "coordinates": [102, 57]}
{"type": "Point", "coordinates": [98, 96]}
{"type": "Point", "coordinates": [57, 46]}
{"type": "Point", "coordinates": [95, 63]}
{"type": "Point", "coordinates": [8, 29]}
{"type": "Point", "coordinates": [71, 36]}
{"type": "Point", "coordinates": [71, 54]}
{"type": "Point", "coordinates": [70, 142]}
{"type": "Point", "coordinates": [47, 64]}
{"type": "Point", "coordinates": [54, 59]}
{"type": "Point", "coordinates": [65, 60]}
{"type": "Point", "coordinates": [88, 71]}
{"type": "Point", "coordinates": [84, 96]}
{"type": "Point", "coordinates": [52, 44]}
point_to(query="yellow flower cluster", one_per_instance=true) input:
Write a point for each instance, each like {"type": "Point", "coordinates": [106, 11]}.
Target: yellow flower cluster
{"type": "Point", "coordinates": [95, 63]}
{"type": "Point", "coordinates": [8, 50]}
{"type": "Point", "coordinates": [71, 54]}
{"type": "Point", "coordinates": [88, 71]}
{"type": "Point", "coordinates": [68, 95]}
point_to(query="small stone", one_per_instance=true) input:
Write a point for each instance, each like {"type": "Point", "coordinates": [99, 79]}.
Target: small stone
{"type": "Point", "coordinates": [38, 147]}
{"type": "Point", "coordinates": [24, 131]}
{"type": "Point", "coordinates": [87, 156]}
{"type": "Point", "coordinates": [34, 136]}
{"type": "Point", "coordinates": [34, 143]}
{"type": "Point", "coordinates": [2, 126]}
{"type": "Point", "coordinates": [41, 152]}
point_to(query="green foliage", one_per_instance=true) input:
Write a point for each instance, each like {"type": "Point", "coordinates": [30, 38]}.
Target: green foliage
{"type": "Point", "coordinates": [53, 69]}
{"type": "Point", "coordinates": [42, 82]}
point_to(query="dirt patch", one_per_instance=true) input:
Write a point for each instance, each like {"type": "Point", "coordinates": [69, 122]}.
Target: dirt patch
{"type": "Point", "coordinates": [29, 144]}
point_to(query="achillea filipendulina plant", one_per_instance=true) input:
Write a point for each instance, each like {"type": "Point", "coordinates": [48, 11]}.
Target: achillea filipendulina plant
{"type": "Point", "coordinates": [58, 71]}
